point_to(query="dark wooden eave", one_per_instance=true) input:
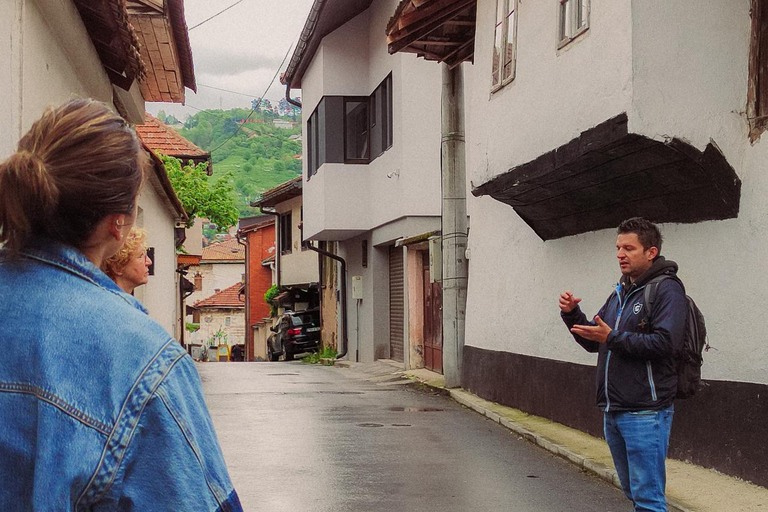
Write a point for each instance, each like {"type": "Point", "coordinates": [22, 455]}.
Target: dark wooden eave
{"type": "Point", "coordinates": [280, 193]}
{"type": "Point", "coordinates": [438, 30]}
{"type": "Point", "coordinates": [106, 22]}
{"type": "Point", "coordinates": [607, 175]}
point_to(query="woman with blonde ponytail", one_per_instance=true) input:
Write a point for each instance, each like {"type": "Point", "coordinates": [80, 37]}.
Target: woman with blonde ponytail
{"type": "Point", "coordinates": [100, 409]}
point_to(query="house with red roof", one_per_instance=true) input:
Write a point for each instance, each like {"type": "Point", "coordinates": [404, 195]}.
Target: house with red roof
{"type": "Point", "coordinates": [221, 266]}
{"type": "Point", "coordinates": [221, 317]}
{"type": "Point", "coordinates": [161, 138]}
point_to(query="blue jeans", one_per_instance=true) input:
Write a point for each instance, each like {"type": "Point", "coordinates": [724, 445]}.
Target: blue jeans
{"type": "Point", "coordinates": [638, 443]}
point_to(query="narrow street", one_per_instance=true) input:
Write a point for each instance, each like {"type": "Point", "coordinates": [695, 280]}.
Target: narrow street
{"type": "Point", "coordinates": [309, 438]}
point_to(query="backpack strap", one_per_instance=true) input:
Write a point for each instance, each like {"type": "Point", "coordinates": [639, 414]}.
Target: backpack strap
{"type": "Point", "coordinates": [650, 291]}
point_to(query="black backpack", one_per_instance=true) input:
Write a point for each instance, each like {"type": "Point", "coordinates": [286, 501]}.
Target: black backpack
{"type": "Point", "coordinates": [694, 343]}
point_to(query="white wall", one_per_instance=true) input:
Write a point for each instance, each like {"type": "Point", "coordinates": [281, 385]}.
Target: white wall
{"type": "Point", "coordinates": [212, 320]}
{"type": "Point", "coordinates": [404, 180]}
{"type": "Point", "coordinates": [555, 94]}
{"type": "Point", "coordinates": [678, 69]}
{"type": "Point", "coordinates": [368, 318]}
{"type": "Point", "coordinates": [215, 276]}
{"type": "Point", "coordinates": [697, 90]}
{"type": "Point", "coordinates": [46, 58]}
{"type": "Point", "coordinates": [300, 266]}
{"type": "Point", "coordinates": [160, 294]}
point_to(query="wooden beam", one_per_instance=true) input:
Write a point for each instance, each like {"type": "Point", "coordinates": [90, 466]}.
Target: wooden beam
{"type": "Point", "coordinates": [439, 43]}
{"type": "Point", "coordinates": [402, 38]}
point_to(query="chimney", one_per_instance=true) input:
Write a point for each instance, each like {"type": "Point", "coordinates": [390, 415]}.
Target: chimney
{"type": "Point", "coordinates": [216, 290]}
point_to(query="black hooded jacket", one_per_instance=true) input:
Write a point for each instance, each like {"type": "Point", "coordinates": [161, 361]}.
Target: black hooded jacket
{"type": "Point", "coordinates": [636, 366]}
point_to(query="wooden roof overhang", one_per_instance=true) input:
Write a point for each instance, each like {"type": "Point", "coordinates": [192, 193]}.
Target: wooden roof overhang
{"type": "Point", "coordinates": [607, 175]}
{"type": "Point", "coordinates": [280, 193]}
{"type": "Point", "coordinates": [114, 39]}
{"type": "Point", "coordinates": [165, 49]}
{"type": "Point", "coordinates": [437, 30]}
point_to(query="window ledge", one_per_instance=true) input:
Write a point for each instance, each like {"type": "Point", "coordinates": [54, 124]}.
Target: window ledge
{"type": "Point", "coordinates": [502, 85]}
{"type": "Point", "coordinates": [568, 40]}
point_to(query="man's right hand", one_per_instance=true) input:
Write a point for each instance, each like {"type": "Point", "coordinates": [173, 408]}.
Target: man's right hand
{"type": "Point", "coordinates": [568, 302]}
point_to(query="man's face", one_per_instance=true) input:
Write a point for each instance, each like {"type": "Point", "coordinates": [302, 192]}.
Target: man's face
{"type": "Point", "coordinates": [633, 259]}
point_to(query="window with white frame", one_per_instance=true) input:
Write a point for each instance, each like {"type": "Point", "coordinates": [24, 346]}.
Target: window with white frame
{"type": "Point", "coordinates": [504, 43]}
{"type": "Point", "coordinates": [573, 20]}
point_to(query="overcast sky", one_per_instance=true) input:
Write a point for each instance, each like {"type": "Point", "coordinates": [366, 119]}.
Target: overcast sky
{"type": "Point", "coordinates": [239, 50]}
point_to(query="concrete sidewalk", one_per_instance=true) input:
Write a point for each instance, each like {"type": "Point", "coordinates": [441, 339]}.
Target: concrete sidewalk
{"type": "Point", "coordinates": [690, 488]}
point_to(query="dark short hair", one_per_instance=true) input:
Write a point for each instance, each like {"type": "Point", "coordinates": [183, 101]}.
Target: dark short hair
{"type": "Point", "coordinates": [646, 231]}
{"type": "Point", "coordinates": [77, 164]}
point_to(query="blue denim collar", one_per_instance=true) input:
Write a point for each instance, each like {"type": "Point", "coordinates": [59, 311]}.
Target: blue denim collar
{"type": "Point", "coordinates": [75, 262]}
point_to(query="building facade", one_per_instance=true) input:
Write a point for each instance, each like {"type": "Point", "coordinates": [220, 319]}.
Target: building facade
{"type": "Point", "coordinates": [589, 112]}
{"type": "Point", "coordinates": [54, 51]}
{"type": "Point", "coordinates": [371, 141]}
{"type": "Point", "coordinates": [258, 234]}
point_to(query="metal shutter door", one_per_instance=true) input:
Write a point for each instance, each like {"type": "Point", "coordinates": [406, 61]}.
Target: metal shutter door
{"type": "Point", "coordinates": [396, 303]}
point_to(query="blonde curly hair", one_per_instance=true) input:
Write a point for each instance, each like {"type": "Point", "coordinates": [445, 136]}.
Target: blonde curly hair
{"type": "Point", "coordinates": [134, 242]}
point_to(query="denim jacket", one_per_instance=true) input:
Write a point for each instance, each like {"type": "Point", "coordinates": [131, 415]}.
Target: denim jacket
{"type": "Point", "coordinates": [100, 409]}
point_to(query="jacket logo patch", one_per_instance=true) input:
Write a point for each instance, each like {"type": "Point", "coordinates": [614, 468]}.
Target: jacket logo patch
{"type": "Point", "coordinates": [637, 308]}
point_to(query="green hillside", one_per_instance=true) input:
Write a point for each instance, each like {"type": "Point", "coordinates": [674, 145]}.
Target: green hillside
{"type": "Point", "coordinates": [254, 156]}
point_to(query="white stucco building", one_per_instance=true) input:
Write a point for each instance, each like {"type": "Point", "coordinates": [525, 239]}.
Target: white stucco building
{"type": "Point", "coordinates": [222, 264]}
{"type": "Point", "coordinates": [50, 52]}
{"type": "Point", "coordinates": [371, 138]}
{"type": "Point", "coordinates": [586, 112]}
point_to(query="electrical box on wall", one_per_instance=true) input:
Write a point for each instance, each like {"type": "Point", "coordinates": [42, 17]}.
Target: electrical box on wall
{"type": "Point", "coordinates": [357, 287]}
{"type": "Point", "coordinates": [435, 259]}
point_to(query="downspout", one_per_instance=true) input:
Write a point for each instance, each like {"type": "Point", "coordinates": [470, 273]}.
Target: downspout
{"type": "Point", "coordinates": [248, 330]}
{"type": "Point", "coordinates": [288, 96]}
{"type": "Point", "coordinates": [277, 241]}
{"type": "Point", "coordinates": [343, 294]}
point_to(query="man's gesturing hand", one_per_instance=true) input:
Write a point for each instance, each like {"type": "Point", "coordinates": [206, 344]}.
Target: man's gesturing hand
{"type": "Point", "coordinates": [568, 302]}
{"type": "Point", "coordinates": [598, 333]}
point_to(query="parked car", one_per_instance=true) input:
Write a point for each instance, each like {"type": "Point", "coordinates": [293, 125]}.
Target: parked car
{"type": "Point", "coordinates": [295, 332]}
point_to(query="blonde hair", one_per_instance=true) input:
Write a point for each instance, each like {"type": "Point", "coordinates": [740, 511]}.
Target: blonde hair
{"type": "Point", "coordinates": [77, 164]}
{"type": "Point", "coordinates": [134, 242]}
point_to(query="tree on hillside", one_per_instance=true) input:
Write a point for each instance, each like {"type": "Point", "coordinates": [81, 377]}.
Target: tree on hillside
{"type": "Point", "coordinates": [199, 196]}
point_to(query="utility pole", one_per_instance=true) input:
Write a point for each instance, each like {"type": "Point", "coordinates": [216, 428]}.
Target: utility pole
{"type": "Point", "coordinates": [454, 223]}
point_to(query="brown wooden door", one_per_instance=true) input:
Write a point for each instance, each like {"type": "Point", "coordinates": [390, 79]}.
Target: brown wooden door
{"type": "Point", "coordinates": [433, 320]}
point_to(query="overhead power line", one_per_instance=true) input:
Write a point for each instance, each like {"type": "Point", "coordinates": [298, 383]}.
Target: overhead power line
{"type": "Point", "coordinates": [220, 12]}
{"type": "Point", "coordinates": [227, 90]}
{"type": "Point", "coordinates": [253, 109]}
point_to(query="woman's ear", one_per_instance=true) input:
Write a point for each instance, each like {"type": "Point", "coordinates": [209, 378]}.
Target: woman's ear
{"type": "Point", "coordinates": [116, 223]}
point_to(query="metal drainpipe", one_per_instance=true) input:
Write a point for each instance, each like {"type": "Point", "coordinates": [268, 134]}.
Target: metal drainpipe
{"type": "Point", "coordinates": [343, 294]}
{"type": "Point", "coordinates": [288, 96]}
{"type": "Point", "coordinates": [277, 241]}
{"type": "Point", "coordinates": [247, 292]}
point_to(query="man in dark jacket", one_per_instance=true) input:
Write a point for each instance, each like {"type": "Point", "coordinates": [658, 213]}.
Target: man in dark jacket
{"type": "Point", "coordinates": [636, 366]}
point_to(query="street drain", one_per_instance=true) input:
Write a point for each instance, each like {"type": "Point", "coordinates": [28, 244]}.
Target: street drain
{"type": "Point", "coordinates": [339, 392]}
{"type": "Point", "coordinates": [370, 425]}
{"type": "Point", "coordinates": [400, 425]}
{"type": "Point", "coordinates": [415, 409]}
{"type": "Point", "coordinates": [280, 374]}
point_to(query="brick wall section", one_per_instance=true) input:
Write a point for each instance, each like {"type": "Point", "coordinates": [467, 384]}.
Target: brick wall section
{"type": "Point", "coordinates": [261, 245]}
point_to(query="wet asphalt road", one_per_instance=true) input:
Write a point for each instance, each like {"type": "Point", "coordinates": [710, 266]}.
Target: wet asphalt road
{"type": "Point", "coordinates": [309, 438]}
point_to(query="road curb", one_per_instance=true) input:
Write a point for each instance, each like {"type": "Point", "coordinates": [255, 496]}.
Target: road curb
{"type": "Point", "coordinates": [598, 469]}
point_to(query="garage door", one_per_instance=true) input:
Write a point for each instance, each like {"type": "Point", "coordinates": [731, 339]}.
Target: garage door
{"type": "Point", "coordinates": [396, 303]}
